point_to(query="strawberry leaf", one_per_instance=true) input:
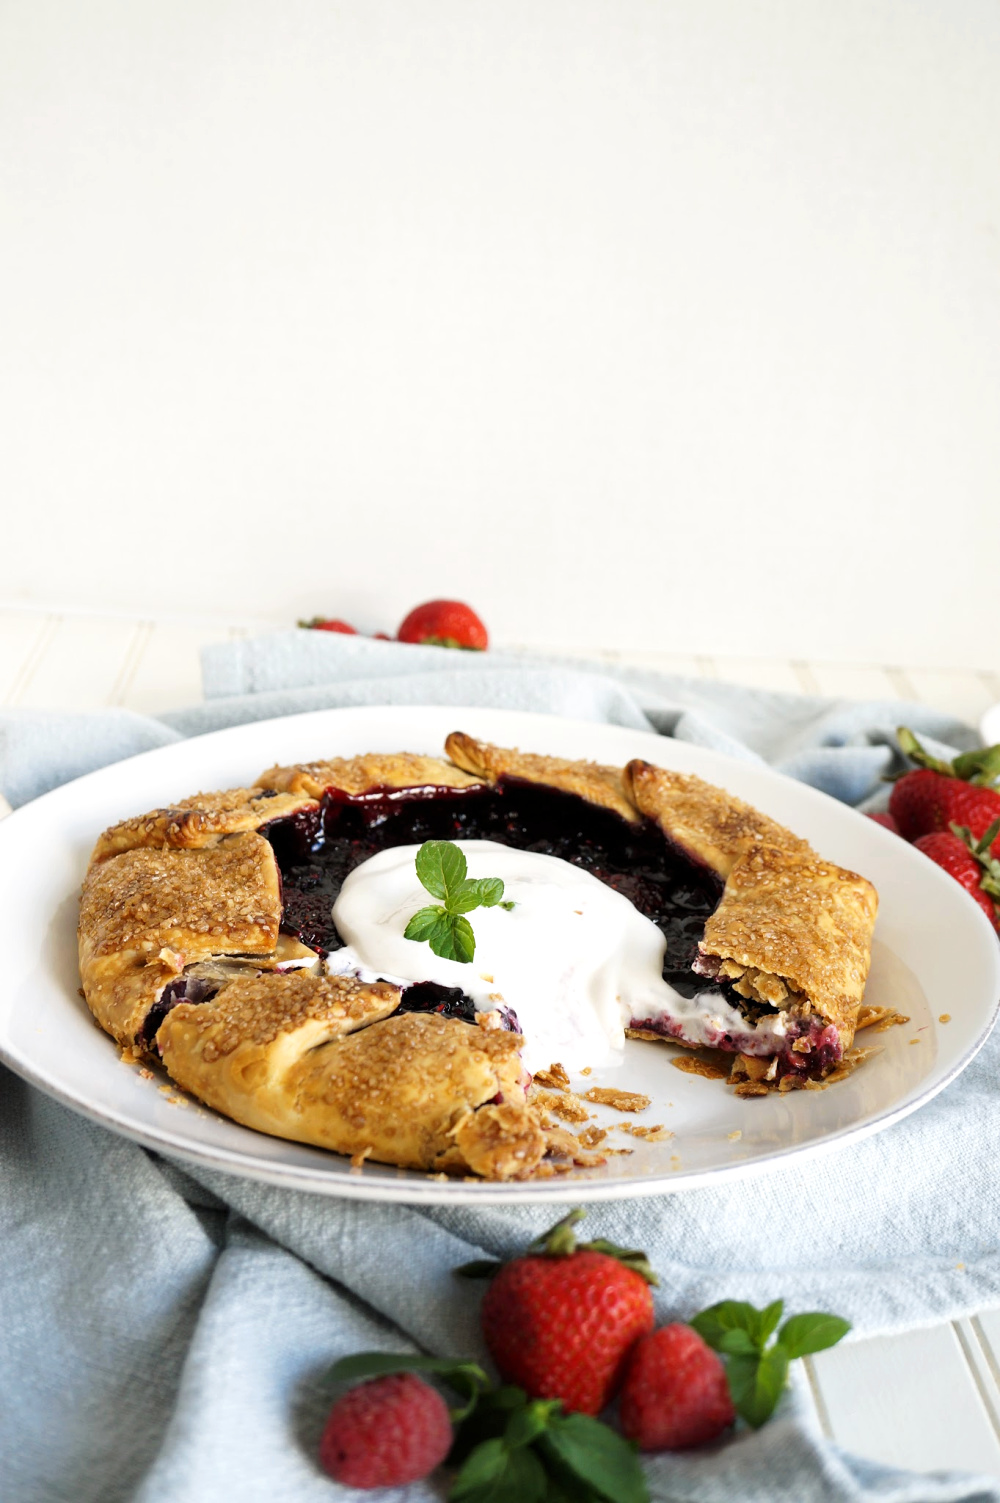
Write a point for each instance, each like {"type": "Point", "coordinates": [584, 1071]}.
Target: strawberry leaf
{"type": "Point", "coordinates": [441, 867]}
{"type": "Point", "coordinates": [981, 767]}
{"type": "Point", "coordinates": [629, 1257]}
{"type": "Point", "coordinates": [912, 748]}
{"type": "Point", "coordinates": [812, 1332]}
{"type": "Point", "coordinates": [601, 1459]}
{"type": "Point", "coordinates": [756, 1383]}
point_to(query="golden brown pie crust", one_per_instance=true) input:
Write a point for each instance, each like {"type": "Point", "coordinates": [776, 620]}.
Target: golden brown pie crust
{"type": "Point", "coordinates": [364, 774]}
{"type": "Point", "coordinates": [589, 780]}
{"type": "Point", "coordinates": [327, 1060]}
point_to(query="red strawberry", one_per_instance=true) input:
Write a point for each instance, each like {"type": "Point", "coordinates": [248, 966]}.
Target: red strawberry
{"type": "Point", "coordinates": [675, 1392]}
{"type": "Point", "coordinates": [940, 794]}
{"type": "Point", "coordinates": [968, 860]}
{"type": "Point", "coordinates": [916, 802]}
{"type": "Point", "coordinates": [444, 623]}
{"type": "Point", "coordinates": [561, 1322]}
{"type": "Point", "coordinates": [329, 623]}
{"type": "Point", "coordinates": [886, 821]}
{"type": "Point", "coordinates": [386, 1433]}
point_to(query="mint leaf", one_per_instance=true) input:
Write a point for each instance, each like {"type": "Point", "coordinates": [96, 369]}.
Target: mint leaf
{"type": "Point", "coordinates": [756, 1383]}
{"type": "Point", "coordinates": [490, 891]}
{"type": "Point", "coordinates": [508, 906]}
{"type": "Point", "coordinates": [466, 1378]}
{"type": "Point", "coordinates": [813, 1332]}
{"type": "Point", "coordinates": [767, 1321]}
{"type": "Point", "coordinates": [737, 1343]}
{"type": "Point", "coordinates": [424, 923]}
{"type": "Point", "coordinates": [470, 894]}
{"type": "Point", "coordinates": [479, 1268]}
{"type": "Point", "coordinates": [604, 1462]}
{"type": "Point", "coordinates": [493, 1473]}
{"type": "Point", "coordinates": [527, 1423]}
{"type": "Point", "coordinates": [441, 867]}
{"type": "Point", "coordinates": [719, 1324]}
{"type": "Point", "coordinates": [454, 940]}
{"type": "Point", "coordinates": [729, 1315]}
{"type": "Point", "coordinates": [375, 1364]}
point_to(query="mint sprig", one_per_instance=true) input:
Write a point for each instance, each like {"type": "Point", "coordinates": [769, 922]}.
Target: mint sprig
{"type": "Point", "coordinates": [757, 1372]}
{"type": "Point", "coordinates": [442, 869]}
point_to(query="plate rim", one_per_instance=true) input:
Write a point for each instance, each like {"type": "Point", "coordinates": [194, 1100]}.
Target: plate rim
{"type": "Point", "coordinates": [417, 1189]}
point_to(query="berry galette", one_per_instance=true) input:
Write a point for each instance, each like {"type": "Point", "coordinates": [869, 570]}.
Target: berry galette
{"type": "Point", "coordinates": [275, 948]}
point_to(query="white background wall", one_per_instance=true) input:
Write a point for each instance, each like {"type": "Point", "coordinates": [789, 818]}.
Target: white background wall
{"type": "Point", "coordinates": [663, 323]}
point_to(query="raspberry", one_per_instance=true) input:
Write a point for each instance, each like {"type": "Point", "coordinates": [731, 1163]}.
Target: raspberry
{"type": "Point", "coordinates": [675, 1393]}
{"type": "Point", "coordinates": [385, 1433]}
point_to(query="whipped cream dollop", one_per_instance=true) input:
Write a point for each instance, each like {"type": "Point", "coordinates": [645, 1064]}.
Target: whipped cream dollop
{"type": "Point", "coordinates": [574, 960]}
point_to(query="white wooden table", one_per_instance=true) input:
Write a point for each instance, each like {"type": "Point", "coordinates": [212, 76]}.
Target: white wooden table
{"type": "Point", "coordinates": [928, 1400]}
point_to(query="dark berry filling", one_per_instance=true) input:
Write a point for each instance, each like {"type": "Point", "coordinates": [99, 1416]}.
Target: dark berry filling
{"type": "Point", "coordinates": [184, 989]}
{"type": "Point", "coordinates": [317, 849]}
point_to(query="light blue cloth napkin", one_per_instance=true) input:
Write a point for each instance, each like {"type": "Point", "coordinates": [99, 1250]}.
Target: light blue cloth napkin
{"type": "Point", "coordinates": [165, 1330]}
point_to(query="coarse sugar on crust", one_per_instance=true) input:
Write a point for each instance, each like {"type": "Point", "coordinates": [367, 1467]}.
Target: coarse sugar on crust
{"type": "Point", "coordinates": [148, 913]}
{"type": "Point", "coordinates": [800, 921]}
{"type": "Point", "coordinates": [366, 774]}
{"type": "Point", "coordinates": [221, 898]}
{"type": "Point", "coordinates": [345, 1076]}
{"type": "Point", "coordinates": [256, 1009]}
{"type": "Point", "coordinates": [713, 825]}
{"type": "Point", "coordinates": [588, 780]}
{"type": "Point", "coordinates": [199, 821]}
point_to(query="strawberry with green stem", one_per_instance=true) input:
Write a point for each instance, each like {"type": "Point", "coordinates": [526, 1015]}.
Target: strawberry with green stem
{"type": "Point", "coordinates": [972, 863]}
{"type": "Point", "coordinates": [938, 794]}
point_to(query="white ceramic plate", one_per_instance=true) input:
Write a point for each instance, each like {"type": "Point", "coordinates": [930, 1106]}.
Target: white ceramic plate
{"type": "Point", "coordinates": [934, 954]}
{"type": "Point", "coordinates": [989, 726]}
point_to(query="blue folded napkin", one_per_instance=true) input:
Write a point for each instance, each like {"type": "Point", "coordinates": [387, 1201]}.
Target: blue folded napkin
{"type": "Point", "coordinates": [165, 1331]}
